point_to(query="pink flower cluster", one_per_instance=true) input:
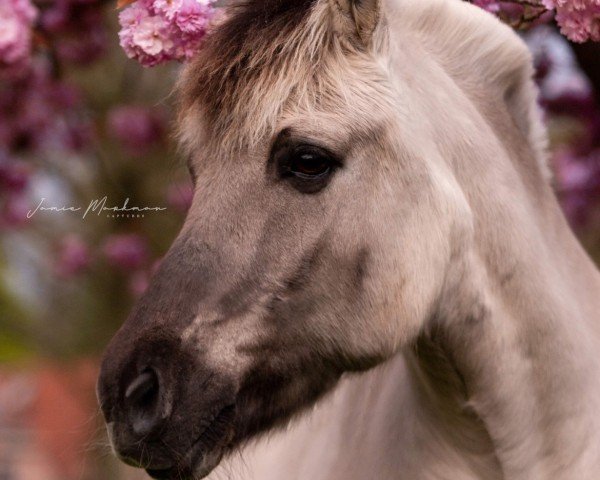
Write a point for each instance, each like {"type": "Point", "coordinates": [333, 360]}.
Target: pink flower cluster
{"type": "Point", "coordinates": [579, 20]}
{"type": "Point", "coordinates": [156, 31]}
{"type": "Point", "coordinates": [16, 18]}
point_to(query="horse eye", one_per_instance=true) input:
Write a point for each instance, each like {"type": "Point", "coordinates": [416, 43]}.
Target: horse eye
{"type": "Point", "coordinates": [308, 167]}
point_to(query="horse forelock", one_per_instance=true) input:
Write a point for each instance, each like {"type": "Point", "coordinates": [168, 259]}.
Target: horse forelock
{"type": "Point", "coordinates": [265, 56]}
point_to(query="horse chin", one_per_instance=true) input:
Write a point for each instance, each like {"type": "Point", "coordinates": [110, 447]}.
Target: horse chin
{"type": "Point", "coordinates": [206, 453]}
{"type": "Point", "coordinates": [205, 464]}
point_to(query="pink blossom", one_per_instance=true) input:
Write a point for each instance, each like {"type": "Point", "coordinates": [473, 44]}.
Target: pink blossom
{"type": "Point", "coordinates": [155, 31]}
{"type": "Point", "coordinates": [16, 18]}
{"type": "Point", "coordinates": [152, 36]}
{"type": "Point", "coordinates": [190, 16]}
{"type": "Point", "coordinates": [166, 8]}
{"type": "Point", "coordinates": [24, 9]}
{"type": "Point", "coordinates": [144, 36]}
{"type": "Point", "coordinates": [579, 20]}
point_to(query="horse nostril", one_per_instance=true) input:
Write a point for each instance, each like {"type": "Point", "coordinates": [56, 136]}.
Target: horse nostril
{"type": "Point", "coordinates": [143, 400]}
{"type": "Point", "coordinates": [143, 390]}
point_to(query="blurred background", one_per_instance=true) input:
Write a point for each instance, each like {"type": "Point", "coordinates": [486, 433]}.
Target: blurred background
{"type": "Point", "coordinates": [82, 123]}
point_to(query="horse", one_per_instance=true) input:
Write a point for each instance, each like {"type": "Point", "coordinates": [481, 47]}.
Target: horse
{"type": "Point", "coordinates": [375, 279]}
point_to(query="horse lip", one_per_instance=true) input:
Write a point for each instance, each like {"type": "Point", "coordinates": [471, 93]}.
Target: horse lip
{"type": "Point", "coordinates": [161, 474]}
{"type": "Point", "coordinates": [137, 464]}
{"type": "Point", "coordinates": [202, 457]}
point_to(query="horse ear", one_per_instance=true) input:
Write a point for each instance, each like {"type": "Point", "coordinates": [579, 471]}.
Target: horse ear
{"type": "Point", "coordinates": [358, 18]}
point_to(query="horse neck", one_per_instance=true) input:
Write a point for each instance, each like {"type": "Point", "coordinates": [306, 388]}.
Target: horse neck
{"type": "Point", "coordinates": [504, 381]}
{"type": "Point", "coordinates": [517, 332]}
{"type": "Point", "coordinates": [510, 354]}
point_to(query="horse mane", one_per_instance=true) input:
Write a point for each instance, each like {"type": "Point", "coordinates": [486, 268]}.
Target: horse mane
{"type": "Point", "coordinates": [485, 52]}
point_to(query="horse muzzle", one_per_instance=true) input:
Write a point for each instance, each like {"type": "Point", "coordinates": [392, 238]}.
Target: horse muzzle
{"type": "Point", "coordinates": [165, 411]}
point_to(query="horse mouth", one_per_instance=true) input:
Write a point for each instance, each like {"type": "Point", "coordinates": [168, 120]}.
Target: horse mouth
{"type": "Point", "coordinates": [205, 453]}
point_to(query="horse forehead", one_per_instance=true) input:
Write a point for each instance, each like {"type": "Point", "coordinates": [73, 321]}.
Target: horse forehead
{"type": "Point", "coordinates": [330, 105]}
